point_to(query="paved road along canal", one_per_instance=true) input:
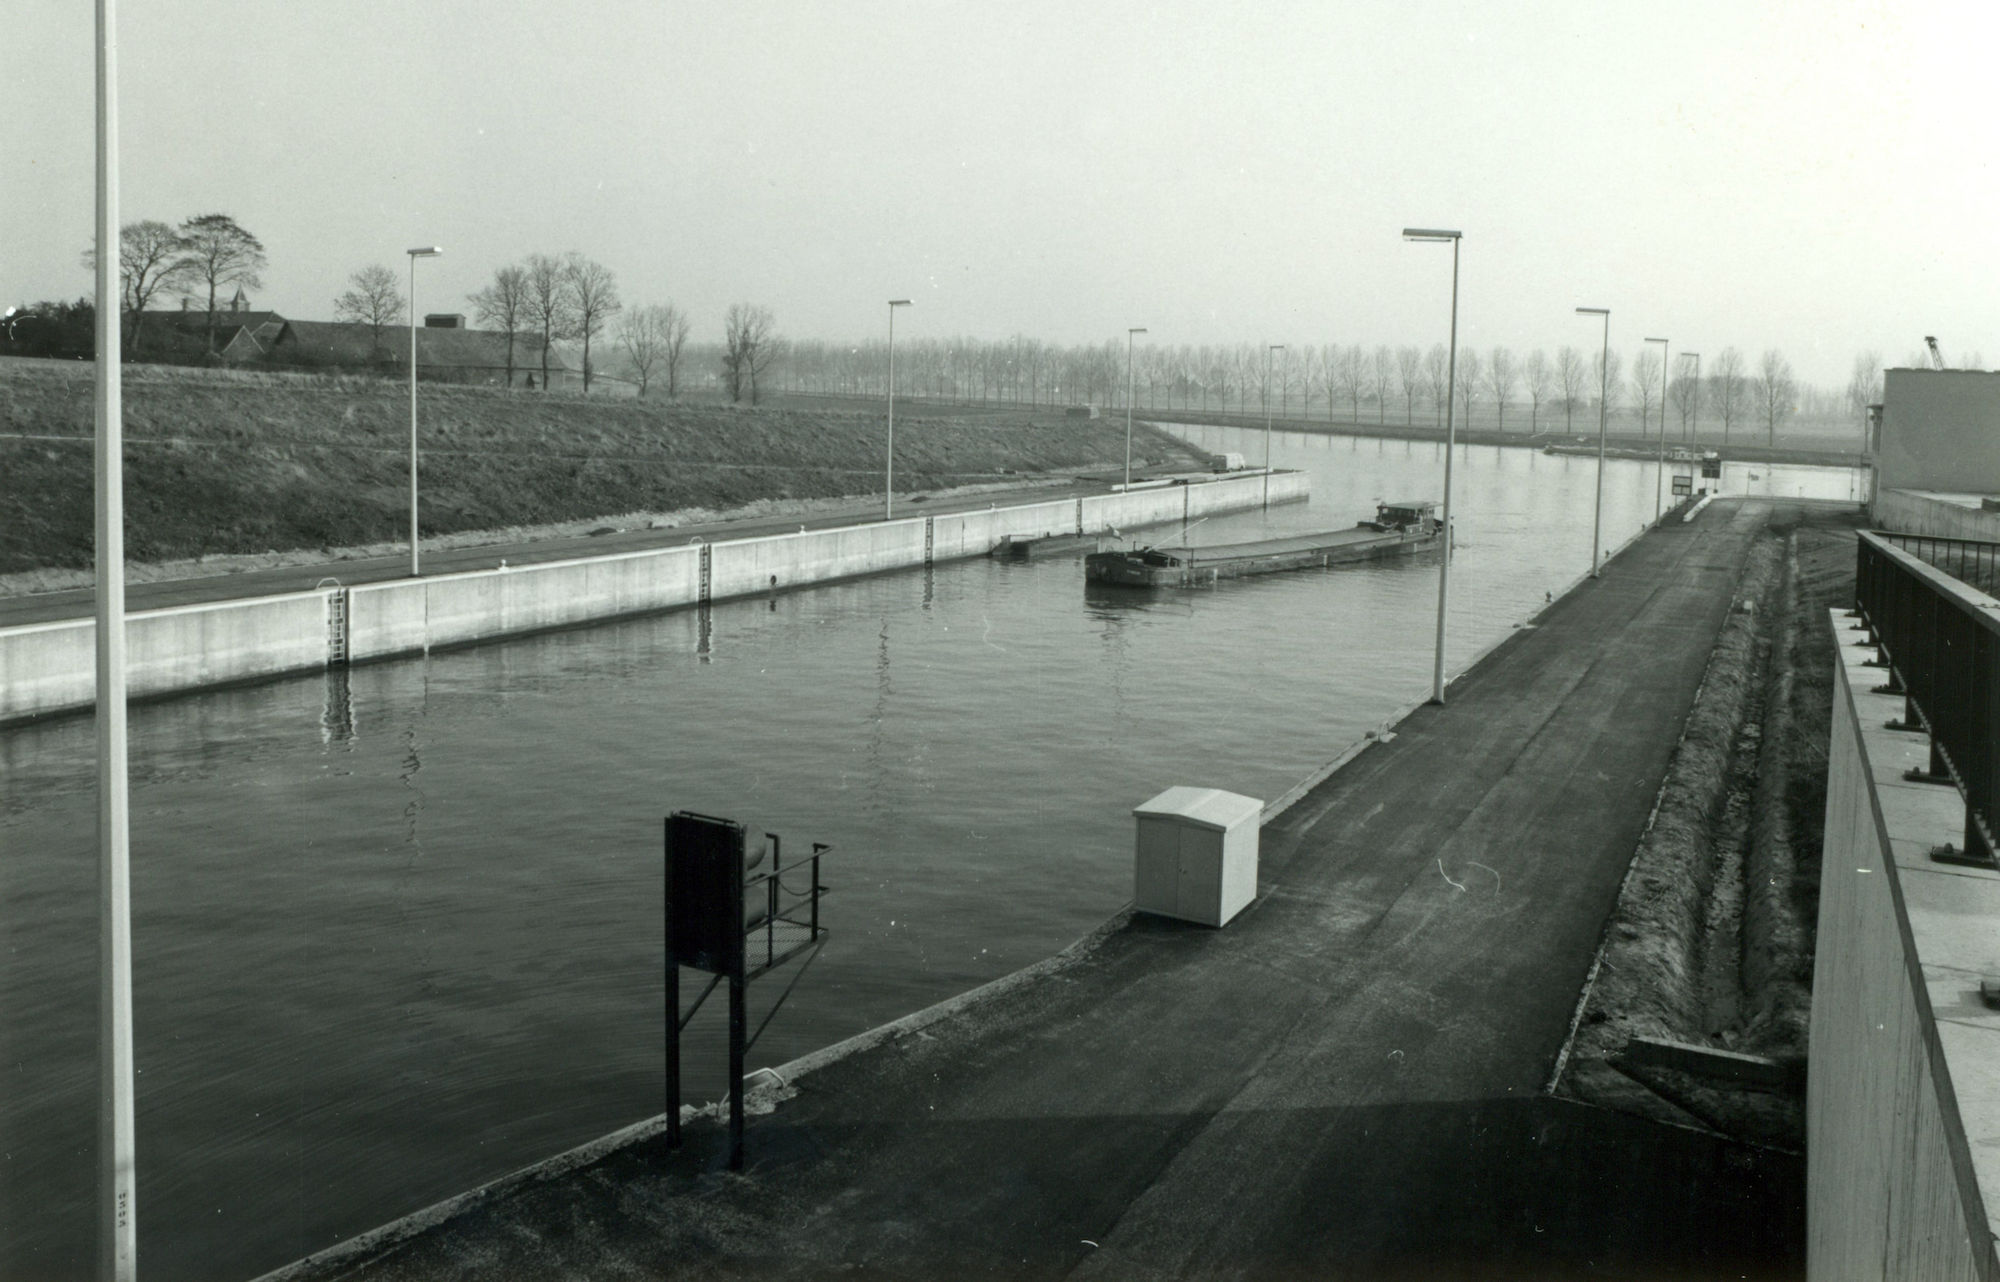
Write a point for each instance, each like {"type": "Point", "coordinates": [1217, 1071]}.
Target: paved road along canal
{"type": "Point", "coordinates": [398, 928]}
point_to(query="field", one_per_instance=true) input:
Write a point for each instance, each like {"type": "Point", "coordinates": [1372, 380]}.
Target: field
{"type": "Point", "coordinates": [221, 463]}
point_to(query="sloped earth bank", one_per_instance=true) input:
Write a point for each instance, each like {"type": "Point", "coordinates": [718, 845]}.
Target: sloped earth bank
{"type": "Point", "coordinates": [1711, 942]}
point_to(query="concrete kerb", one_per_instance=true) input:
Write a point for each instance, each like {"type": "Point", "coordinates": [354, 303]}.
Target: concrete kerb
{"type": "Point", "coordinates": [358, 1249]}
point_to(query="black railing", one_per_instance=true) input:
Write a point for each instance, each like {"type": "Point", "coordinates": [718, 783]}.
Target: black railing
{"type": "Point", "coordinates": [1939, 639]}
{"type": "Point", "coordinates": [1974, 562]}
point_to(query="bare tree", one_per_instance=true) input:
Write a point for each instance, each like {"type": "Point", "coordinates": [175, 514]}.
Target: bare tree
{"type": "Point", "coordinates": [503, 305]}
{"type": "Point", "coordinates": [1384, 372]}
{"type": "Point", "coordinates": [371, 299]}
{"type": "Point", "coordinates": [1500, 378]}
{"type": "Point", "coordinates": [1607, 367]}
{"type": "Point", "coordinates": [1727, 383]}
{"type": "Point", "coordinates": [675, 335]}
{"type": "Point", "coordinates": [1573, 377]}
{"type": "Point", "coordinates": [549, 306]}
{"type": "Point", "coordinates": [643, 335]}
{"type": "Point", "coordinates": [216, 252]}
{"type": "Point", "coordinates": [1684, 390]}
{"type": "Point", "coordinates": [593, 301]}
{"type": "Point", "coordinates": [1645, 373]}
{"type": "Point", "coordinates": [1539, 379]}
{"type": "Point", "coordinates": [1864, 385]}
{"type": "Point", "coordinates": [1470, 376]}
{"type": "Point", "coordinates": [748, 348]}
{"type": "Point", "coordinates": [1775, 392]}
{"type": "Point", "coordinates": [1437, 379]}
{"type": "Point", "coordinates": [151, 258]}
{"type": "Point", "coordinates": [1410, 375]}
{"type": "Point", "coordinates": [1352, 375]}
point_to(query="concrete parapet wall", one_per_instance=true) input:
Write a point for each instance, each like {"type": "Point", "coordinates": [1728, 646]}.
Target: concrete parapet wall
{"type": "Point", "coordinates": [1903, 1093]}
{"type": "Point", "coordinates": [1908, 512]}
{"type": "Point", "coordinates": [49, 668]}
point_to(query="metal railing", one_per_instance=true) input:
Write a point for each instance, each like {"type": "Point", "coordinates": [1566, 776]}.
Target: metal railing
{"type": "Point", "coordinates": [1973, 562]}
{"type": "Point", "coordinates": [1939, 640]}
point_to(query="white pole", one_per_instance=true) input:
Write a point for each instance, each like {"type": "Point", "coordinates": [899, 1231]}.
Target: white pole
{"type": "Point", "coordinates": [1274, 347]}
{"type": "Point", "coordinates": [117, 1259]}
{"type": "Point", "coordinates": [1450, 438]}
{"type": "Point", "coordinates": [889, 470]}
{"type": "Point", "coordinates": [413, 415]}
{"type": "Point", "coordinates": [1130, 335]}
{"type": "Point", "coordinates": [1660, 464]}
{"type": "Point", "coordinates": [1603, 392]}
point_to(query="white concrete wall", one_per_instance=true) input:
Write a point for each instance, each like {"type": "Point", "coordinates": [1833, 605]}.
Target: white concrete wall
{"type": "Point", "coordinates": [1903, 1093]}
{"type": "Point", "coordinates": [1910, 513]}
{"type": "Point", "coordinates": [51, 667]}
{"type": "Point", "coordinates": [47, 668]}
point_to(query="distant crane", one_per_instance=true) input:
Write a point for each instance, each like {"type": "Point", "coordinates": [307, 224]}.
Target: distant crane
{"type": "Point", "coordinates": [1937, 357]}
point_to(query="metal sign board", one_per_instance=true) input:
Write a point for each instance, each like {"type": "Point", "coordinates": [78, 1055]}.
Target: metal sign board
{"type": "Point", "coordinates": [1684, 485]}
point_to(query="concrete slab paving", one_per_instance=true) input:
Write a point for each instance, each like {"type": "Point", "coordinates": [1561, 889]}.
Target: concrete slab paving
{"type": "Point", "coordinates": [1348, 1081]}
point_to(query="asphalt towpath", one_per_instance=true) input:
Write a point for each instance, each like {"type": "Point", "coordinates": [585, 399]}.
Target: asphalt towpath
{"type": "Point", "coordinates": [1347, 1082]}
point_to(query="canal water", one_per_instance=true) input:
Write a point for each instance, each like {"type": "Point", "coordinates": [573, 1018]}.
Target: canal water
{"type": "Point", "coordinates": [398, 929]}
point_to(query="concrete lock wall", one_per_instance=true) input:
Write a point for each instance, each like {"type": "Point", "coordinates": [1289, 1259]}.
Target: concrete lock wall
{"type": "Point", "coordinates": [1938, 428]}
{"type": "Point", "coordinates": [51, 667]}
{"type": "Point", "coordinates": [1910, 513]}
{"type": "Point", "coordinates": [48, 668]}
{"type": "Point", "coordinates": [1903, 1088]}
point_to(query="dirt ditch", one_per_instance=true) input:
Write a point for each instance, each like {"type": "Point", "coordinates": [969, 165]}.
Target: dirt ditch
{"type": "Point", "coordinates": [1711, 940]}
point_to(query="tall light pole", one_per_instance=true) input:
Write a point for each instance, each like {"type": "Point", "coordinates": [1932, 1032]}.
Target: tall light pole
{"type": "Point", "coordinates": [1434, 236]}
{"type": "Point", "coordinates": [1130, 334]}
{"type": "Point", "coordinates": [422, 251]}
{"type": "Point", "coordinates": [1660, 467]}
{"type": "Point", "coordinates": [1693, 429]}
{"type": "Point", "coordinates": [889, 472]}
{"type": "Point", "coordinates": [1603, 392]}
{"type": "Point", "coordinates": [1275, 347]}
{"type": "Point", "coordinates": [117, 1171]}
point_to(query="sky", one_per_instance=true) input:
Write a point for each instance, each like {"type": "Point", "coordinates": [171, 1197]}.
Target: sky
{"type": "Point", "coordinates": [1817, 178]}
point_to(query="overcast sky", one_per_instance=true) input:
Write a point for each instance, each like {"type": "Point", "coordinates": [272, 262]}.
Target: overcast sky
{"type": "Point", "coordinates": [1817, 177]}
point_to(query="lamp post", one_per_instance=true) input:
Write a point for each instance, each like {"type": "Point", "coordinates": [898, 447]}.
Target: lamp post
{"type": "Point", "coordinates": [1660, 467]}
{"type": "Point", "coordinates": [889, 472]}
{"type": "Point", "coordinates": [1603, 392]}
{"type": "Point", "coordinates": [1432, 236]}
{"type": "Point", "coordinates": [1275, 347]}
{"type": "Point", "coordinates": [117, 1178]}
{"type": "Point", "coordinates": [1693, 430]}
{"type": "Point", "coordinates": [1130, 334]}
{"type": "Point", "coordinates": [422, 251]}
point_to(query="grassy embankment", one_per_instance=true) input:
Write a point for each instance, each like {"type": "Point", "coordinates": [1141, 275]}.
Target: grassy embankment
{"type": "Point", "coordinates": [1712, 939]}
{"type": "Point", "coordinates": [220, 463]}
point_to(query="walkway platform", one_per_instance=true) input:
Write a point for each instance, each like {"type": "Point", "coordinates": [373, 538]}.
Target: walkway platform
{"type": "Point", "coordinates": [1348, 1081]}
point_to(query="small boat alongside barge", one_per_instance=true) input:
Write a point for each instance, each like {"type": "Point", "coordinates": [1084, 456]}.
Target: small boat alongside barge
{"type": "Point", "coordinates": [1397, 528]}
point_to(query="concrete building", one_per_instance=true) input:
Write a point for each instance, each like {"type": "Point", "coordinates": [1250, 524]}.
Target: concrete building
{"type": "Point", "coordinates": [1937, 453]}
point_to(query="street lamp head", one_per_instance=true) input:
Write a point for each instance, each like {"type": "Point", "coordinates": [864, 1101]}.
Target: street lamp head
{"type": "Point", "coordinates": [1430, 234]}
{"type": "Point", "coordinates": [899, 302]}
{"type": "Point", "coordinates": [424, 251]}
{"type": "Point", "coordinates": [1656, 340]}
{"type": "Point", "coordinates": [1277, 347]}
{"type": "Point", "coordinates": [1140, 330]}
{"type": "Point", "coordinates": [1593, 311]}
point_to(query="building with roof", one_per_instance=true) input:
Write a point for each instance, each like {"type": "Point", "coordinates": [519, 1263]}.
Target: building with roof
{"type": "Point", "coordinates": [445, 353]}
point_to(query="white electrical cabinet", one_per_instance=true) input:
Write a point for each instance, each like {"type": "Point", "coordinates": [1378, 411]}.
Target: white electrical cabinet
{"type": "Point", "coordinates": [1196, 856]}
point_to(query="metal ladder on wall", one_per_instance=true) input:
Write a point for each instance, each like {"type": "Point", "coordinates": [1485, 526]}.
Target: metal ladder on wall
{"type": "Point", "coordinates": [336, 623]}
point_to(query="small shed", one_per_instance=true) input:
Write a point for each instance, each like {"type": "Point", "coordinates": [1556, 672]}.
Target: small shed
{"type": "Point", "coordinates": [1196, 854]}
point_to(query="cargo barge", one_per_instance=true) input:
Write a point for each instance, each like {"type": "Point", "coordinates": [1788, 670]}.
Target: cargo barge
{"type": "Point", "coordinates": [1396, 529]}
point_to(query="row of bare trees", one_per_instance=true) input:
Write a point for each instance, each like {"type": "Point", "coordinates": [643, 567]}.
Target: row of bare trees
{"type": "Point", "coordinates": [1330, 380]}
{"type": "Point", "coordinates": [551, 298]}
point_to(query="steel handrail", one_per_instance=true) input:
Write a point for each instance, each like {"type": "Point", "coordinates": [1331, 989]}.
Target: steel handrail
{"type": "Point", "coordinates": [1939, 638]}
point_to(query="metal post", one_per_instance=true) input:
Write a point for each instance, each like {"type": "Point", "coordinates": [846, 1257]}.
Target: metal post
{"type": "Point", "coordinates": [1128, 404]}
{"type": "Point", "coordinates": [1603, 394]}
{"type": "Point", "coordinates": [1434, 236]}
{"type": "Point", "coordinates": [1450, 438]}
{"type": "Point", "coordinates": [889, 471]}
{"type": "Point", "coordinates": [738, 1022]}
{"type": "Point", "coordinates": [673, 995]}
{"type": "Point", "coordinates": [1660, 464]}
{"type": "Point", "coordinates": [422, 251]}
{"type": "Point", "coordinates": [1274, 347]}
{"type": "Point", "coordinates": [117, 1259]}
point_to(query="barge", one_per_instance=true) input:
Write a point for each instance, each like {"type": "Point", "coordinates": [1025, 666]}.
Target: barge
{"type": "Point", "coordinates": [1396, 529]}
{"type": "Point", "coordinates": [1010, 548]}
